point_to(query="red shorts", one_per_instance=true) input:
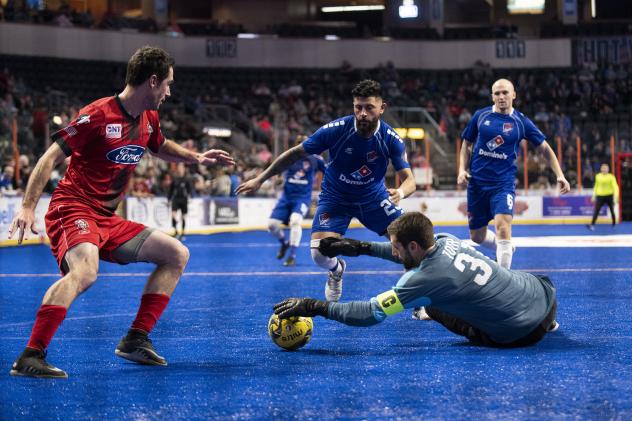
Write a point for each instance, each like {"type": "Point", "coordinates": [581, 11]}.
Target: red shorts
{"type": "Point", "coordinates": [68, 224]}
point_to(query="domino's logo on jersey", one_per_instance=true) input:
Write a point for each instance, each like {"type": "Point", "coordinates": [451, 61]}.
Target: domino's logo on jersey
{"type": "Point", "coordinates": [364, 171]}
{"type": "Point", "coordinates": [126, 155]}
{"type": "Point", "coordinates": [495, 142]}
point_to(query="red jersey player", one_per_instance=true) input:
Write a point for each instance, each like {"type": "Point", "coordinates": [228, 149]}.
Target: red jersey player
{"type": "Point", "coordinates": [105, 142]}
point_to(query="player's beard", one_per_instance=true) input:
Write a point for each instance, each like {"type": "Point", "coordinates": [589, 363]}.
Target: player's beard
{"type": "Point", "coordinates": [366, 127]}
{"type": "Point", "coordinates": [408, 261]}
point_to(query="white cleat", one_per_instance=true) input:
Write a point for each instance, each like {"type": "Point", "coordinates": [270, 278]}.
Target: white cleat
{"type": "Point", "coordinates": [419, 313]}
{"type": "Point", "coordinates": [553, 327]}
{"type": "Point", "coordinates": [333, 287]}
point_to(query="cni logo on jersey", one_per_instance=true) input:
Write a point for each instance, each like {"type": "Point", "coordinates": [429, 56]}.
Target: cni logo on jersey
{"type": "Point", "coordinates": [126, 155]}
{"type": "Point", "coordinates": [113, 131]}
{"type": "Point", "coordinates": [495, 142]}
{"type": "Point", "coordinates": [364, 171]}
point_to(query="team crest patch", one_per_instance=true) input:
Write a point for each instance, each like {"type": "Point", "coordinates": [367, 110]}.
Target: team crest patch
{"type": "Point", "coordinates": [324, 219]}
{"type": "Point", "coordinates": [495, 142]}
{"type": "Point", "coordinates": [82, 226]}
{"type": "Point", "coordinates": [371, 156]}
{"type": "Point", "coordinates": [364, 171]}
{"type": "Point", "coordinates": [507, 127]}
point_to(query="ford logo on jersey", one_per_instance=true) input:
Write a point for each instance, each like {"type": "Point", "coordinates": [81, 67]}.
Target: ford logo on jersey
{"type": "Point", "coordinates": [126, 155]}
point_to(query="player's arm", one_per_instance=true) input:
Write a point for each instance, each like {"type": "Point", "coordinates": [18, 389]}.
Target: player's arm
{"type": "Point", "coordinates": [335, 246]}
{"type": "Point", "coordinates": [25, 217]}
{"type": "Point", "coordinates": [464, 163]}
{"type": "Point", "coordinates": [170, 151]}
{"type": "Point", "coordinates": [353, 313]}
{"type": "Point", "coordinates": [406, 188]}
{"type": "Point", "coordinates": [548, 153]}
{"type": "Point", "coordinates": [279, 165]}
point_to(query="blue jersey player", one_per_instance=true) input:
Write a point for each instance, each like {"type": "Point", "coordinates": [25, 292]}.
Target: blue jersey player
{"type": "Point", "coordinates": [360, 146]}
{"type": "Point", "coordinates": [487, 167]}
{"type": "Point", "coordinates": [465, 291]}
{"type": "Point", "coordinates": [294, 204]}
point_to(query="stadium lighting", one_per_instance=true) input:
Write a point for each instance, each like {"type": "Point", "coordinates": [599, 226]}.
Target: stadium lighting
{"type": "Point", "coordinates": [57, 120]}
{"type": "Point", "coordinates": [593, 9]}
{"type": "Point", "coordinates": [247, 36]}
{"type": "Point", "coordinates": [217, 131]}
{"type": "Point", "coordinates": [338, 9]}
{"type": "Point", "coordinates": [408, 10]}
{"type": "Point", "coordinates": [416, 133]}
{"type": "Point", "coordinates": [332, 37]}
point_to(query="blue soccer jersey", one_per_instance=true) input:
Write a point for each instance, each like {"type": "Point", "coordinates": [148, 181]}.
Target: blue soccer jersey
{"type": "Point", "coordinates": [496, 138]}
{"type": "Point", "coordinates": [357, 165]}
{"type": "Point", "coordinates": [299, 178]}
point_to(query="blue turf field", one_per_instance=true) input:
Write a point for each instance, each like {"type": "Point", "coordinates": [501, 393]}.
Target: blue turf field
{"type": "Point", "coordinates": [222, 364]}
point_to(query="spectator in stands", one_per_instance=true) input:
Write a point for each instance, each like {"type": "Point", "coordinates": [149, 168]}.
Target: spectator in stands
{"type": "Point", "coordinates": [8, 186]}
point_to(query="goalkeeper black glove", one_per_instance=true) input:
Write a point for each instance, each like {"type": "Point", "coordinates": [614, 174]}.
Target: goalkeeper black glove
{"type": "Point", "coordinates": [306, 307]}
{"type": "Point", "coordinates": [332, 247]}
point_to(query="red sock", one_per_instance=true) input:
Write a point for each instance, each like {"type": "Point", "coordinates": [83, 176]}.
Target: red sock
{"type": "Point", "coordinates": [151, 307]}
{"type": "Point", "coordinates": [47, 321]}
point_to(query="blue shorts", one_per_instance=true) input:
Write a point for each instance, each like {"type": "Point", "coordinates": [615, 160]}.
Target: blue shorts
{"type": "Point", "coordinates": [335, 217]}
{"type": "Point", "coordinates": [485, 202]}
{"type": "Point", "coordinates": [286, 207]}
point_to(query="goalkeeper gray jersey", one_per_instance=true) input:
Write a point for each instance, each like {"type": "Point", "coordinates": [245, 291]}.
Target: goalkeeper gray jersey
{"type": "Point", "coordinates": [459, 280]}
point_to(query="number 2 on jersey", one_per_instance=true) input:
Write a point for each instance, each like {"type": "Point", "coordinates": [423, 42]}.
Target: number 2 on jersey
{"type": "Point", "coordinates": [474, 265]}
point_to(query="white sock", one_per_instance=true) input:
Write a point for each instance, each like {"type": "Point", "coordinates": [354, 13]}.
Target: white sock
{"type": "Point", "coordinates": [296, 231]}
{"type": "Point", "coordinates": [328, 263]}
{"type": "Point", "coordinates": [274, 226]}
{"type": "Point", "coordinates": [504, 253]}
{"type": "Point", "coordinates": [490, 240]}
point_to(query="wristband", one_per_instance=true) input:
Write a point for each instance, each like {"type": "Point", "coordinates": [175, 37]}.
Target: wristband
{"type": "Point", "coordinates": [401, 193]}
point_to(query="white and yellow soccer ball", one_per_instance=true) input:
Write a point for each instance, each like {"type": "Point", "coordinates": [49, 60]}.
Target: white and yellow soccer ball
{"type": "Point", "coordinates": [292, 333]}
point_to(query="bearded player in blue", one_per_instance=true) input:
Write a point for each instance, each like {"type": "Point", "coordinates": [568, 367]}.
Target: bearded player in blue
{"type": "Point", "coordinates": [360, 148]}
{"type": "Point", "coordinates": [492, 139]}
{"type": "Point", "coordinates": [294, 203]}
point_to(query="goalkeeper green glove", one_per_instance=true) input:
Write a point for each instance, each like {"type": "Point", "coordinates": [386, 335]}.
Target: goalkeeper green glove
{"type": "Point", "coordinates": [306, 307]}
{"type": "Point", "coordinates": [332, 247]}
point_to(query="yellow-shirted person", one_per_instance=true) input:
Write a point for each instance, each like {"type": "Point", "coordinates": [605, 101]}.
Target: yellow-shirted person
{"type": "Point", "coordinates": [606, 192]}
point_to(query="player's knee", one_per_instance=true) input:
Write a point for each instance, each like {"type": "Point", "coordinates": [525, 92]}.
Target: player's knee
{"type": "Point", "coordinates": [83, 277]}
{"type": "Point", "coordinates": [274, 225]}
{"type": "Point", "coordinates": [181, 256]}
{"type": "Point", "coordinates": [477, 236]}
{"type": "Point", "coordinates": [296, 220]}
{"type": "Point", "coordinates": [503, 232]}
{"type": "Point", "coordinates": [320, 259]}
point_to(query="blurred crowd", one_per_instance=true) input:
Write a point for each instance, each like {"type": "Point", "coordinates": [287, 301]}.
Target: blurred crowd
{"type": "Point", "coordinates": [268, 116]}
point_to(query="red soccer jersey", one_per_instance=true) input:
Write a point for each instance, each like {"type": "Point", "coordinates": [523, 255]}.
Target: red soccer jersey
{"type": "Point", "coordinates": [105, 144]}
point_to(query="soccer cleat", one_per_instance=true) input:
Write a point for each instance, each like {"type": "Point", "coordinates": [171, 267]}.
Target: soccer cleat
{"type": "Point", "coordinates": [419, 313]}
{"type": "Point", "coordinates": [283, 249]}
{"type": "Point", "coordinates": [333, 287]}
{"type": "Point", "coordinates": [136, 346]}
{"type": "Point", "coordinates": [553, 326]}
{"type": "Point", "coordinates": [32, 364]}
{"type": "Point", "coordinates": [290, 261]}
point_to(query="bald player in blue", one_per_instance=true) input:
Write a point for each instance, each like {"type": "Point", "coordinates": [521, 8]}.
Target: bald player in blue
{"type": "Point", "coordinates": [465, 291]}
{"type": "Point", "coordinates": [361, 147]}
{"type": "Point", "coordinates": [487, 166]}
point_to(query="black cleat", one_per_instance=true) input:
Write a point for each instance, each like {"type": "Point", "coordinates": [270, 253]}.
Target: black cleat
{"type": "Point", "coordinates": [32, 364]}
{"type": "Point", "coordinates": [282, 250]}
{"type": "Point", "coordinates": [136, 346]}
{"type": "Point", "coordinates": [291, 261]}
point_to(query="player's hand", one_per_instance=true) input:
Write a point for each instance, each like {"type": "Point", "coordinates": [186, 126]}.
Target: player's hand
{"type": "Point", "coordinates": [463, 179]}
{"type": "Point", "coordinates": [216, 156]}
{"type": "Point", "coordinates": [565, 187]}
{"type": "Point", "coordinates": [393, 196]}
{"type": "Point", "coordinates": [306, 307]}
{"type": "Point", "coordinates": [249, 186]}
{"type": "Point", "coordinates": [23, 220]}
{"type": "Point", "coordinates": [332, 247]}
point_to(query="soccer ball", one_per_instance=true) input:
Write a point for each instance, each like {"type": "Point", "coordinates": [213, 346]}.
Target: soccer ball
{"type": "Point", "coordinates": [292, 333]}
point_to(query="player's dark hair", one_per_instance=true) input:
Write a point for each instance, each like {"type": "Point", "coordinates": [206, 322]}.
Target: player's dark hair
{"type": "Point", "coordinates": [147, 61]}
{"type": "Point", "coordinates": [413, 226]}
{"type": "Point", "coordinates": [367, 88]}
